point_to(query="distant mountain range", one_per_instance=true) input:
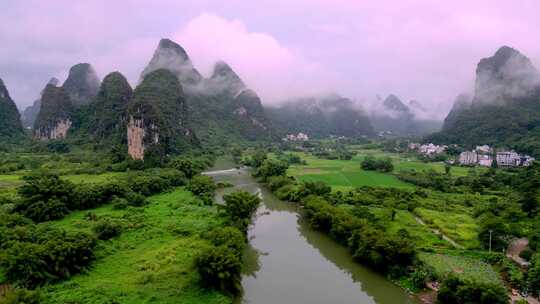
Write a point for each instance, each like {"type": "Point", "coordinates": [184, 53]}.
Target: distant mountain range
{"type": "Point", "coordinates": [397, 118]}
{"type": "Point", "coordinates": [321, 117]}
{"type": "Point", "coordinates": [173, 108]}
{"type": "Point", "coordinates": [505, 107]}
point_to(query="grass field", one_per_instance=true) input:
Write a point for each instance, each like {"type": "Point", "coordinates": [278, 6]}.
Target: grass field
{"type": "Point", "coordinates": [409, 162]}
{"type": "Point", "coordinates": [346, 174]}
{"type": "Point", "coordinates": [423, 236]}
{"type": "Point", "coordinates": [459, 227]}
{"type": "Point", "coordinates": [342, 174]}
{"type": "Point", "coordinates": [465, 267]}
{"type": "Point", "coordinates": [152, 261]}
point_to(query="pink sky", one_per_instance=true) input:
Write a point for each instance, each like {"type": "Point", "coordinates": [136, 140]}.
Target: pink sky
{"type": "Point", "coordinates": [426, 50]}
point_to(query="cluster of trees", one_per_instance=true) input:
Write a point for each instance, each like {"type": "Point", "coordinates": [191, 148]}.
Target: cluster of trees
{"type": "Point", "coordinates": [371, 163]}
{"type": "Point", "coordinates": [340, 153]}
{"type": "Point", "coordinates": [368, 244]}
{"type": "Point", "coordinates": [455, 290]}
{"type": "Point", "coordinates": [32, 255]}
{"type": "Point", "coordinates": [203, 187]}
{"type": "Point", "coordinates": [45, 196]}
{"type": "Point", "coordinates": [220, 265]}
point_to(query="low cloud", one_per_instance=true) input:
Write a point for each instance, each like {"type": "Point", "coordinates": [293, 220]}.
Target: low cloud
{"type": "Point", "coordinates": [276, 72]}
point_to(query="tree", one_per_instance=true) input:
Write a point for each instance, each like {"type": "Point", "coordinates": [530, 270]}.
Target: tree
{"type": "Point", "coordinates": [493, 228]}
{"type": "Point", "coordinates": [270, 168]}
{"type": "Point", "coordinates": [203, 187]}
{"type": "Point", "coordinates": [318, 188]}
{"type": "Point", "coordinates": [220, 268]}
{"type": "Point", "coordinates": [44, 197]}
{"type": "Point", "coordinates": [534, 275]}
{"type": "Point", "coordinates": [258, 158]}
{"type": "Point", "coordinates": [239, 207]}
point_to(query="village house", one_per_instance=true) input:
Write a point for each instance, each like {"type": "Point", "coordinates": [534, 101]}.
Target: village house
{"type": "Point", "coordinates": [485, 160]}
{"type": "Point", "coordinates": [508, 159]}
{"type": "Point", "coordinates": [296, 137]}
{"type": "Point", "coordinates": [431, 149]}
{"type": "Point", "coordinates": [485, 149]}
{"type": "Point", "coordinates": [468, 158]}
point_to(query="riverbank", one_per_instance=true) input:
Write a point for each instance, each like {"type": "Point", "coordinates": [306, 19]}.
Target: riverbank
{"type": "Point", "coordinates": [292, 263]}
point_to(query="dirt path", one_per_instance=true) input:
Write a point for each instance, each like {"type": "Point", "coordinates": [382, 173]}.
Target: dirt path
{"type": "Point", "coordinates": [515, 248]}
{"type": "Point", "coordinates": [438, 232]}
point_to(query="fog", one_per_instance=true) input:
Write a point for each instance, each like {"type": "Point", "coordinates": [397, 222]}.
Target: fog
{"type": "Point", "coordinates": [418, 50]}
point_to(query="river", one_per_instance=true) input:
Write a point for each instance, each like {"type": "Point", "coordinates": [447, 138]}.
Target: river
{"type": "Point", "coordinates": [287, 262]}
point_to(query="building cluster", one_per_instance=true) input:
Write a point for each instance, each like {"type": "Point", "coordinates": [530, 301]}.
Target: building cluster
{"type": "Point", "coordinates": [427, 149]}
{"type": "Point", "coordinates": [296, 137]}
{"type": "Point", "coordinates": [484, 156]}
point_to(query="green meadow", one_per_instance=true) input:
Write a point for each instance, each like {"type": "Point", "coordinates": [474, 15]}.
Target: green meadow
{"type": "Point", "coordinates": [342, 174]}
{"type": "Point", "coordinates": [152, 261]}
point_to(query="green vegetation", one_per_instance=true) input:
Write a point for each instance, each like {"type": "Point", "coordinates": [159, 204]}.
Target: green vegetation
{"type": "Point", "coordinates": [465, 267]}
{"type": "Point", "coordinates": [153, 258]}
{"type": "Point", "coordinates": [10, 119]}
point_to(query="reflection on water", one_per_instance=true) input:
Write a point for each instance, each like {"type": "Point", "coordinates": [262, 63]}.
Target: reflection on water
{"type": "Point", "coordinates": [288, 262]}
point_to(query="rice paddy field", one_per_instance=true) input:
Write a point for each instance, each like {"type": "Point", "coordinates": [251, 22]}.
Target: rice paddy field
{"type": "Point", "coordinates": [347, 174]}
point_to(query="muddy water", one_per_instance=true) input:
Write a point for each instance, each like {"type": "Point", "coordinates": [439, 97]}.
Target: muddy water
{"type": "Point", "coordinates": [287, 262]}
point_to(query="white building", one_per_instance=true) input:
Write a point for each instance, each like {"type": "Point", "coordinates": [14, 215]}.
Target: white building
{"type": "Point", "coordinates": [468, 158]}
{"type": "Point", "coordinates": [508, 159]}
{"type": "Point", "coordinates": [483, 149]}
{"type": "Point", "coordinates": [485, 160]}
{"type": "Point", "coordinates": [429, 149]}
{"type": "Point", "coordinates": [296, 137]}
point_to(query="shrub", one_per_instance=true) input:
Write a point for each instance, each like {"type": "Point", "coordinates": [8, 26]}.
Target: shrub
{"type": "Point", "coordinates": [52, 255]}
{"type": "Point", "coordinates": [239, 207]}
{"type": "Point", "coordinates": [455, 291]}
{"type": "Point", "coordinates": [229, 237]}
{"type": "Point", "coordinates": [271, 167]}
{"type": "Point", "coordinates": [106, 229]}
{"type": "Point", "coordinates": [136, 199]}
{"type": "Point", "coordinates": [371, 163]}
{"type": "Point", "coordinates": [318, 188]}
{"type": "Point", "coordinates": [220, 268]}
{"type": "Point", "coordinates": [276, 182]}
{"type": "Point", "coordinates": [21, 296]}
{"type": "Point", "coordinates": [44, 197]}
{"type": "Point", "coordinates": [203, 187]}
{"type": "Point", "coordinates": [526, 254]}
{"type": "Point", "coordinates": [119, 203]}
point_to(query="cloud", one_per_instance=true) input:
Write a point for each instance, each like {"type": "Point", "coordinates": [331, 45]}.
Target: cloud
{"type": "Point", "coordinates": [274, 70]}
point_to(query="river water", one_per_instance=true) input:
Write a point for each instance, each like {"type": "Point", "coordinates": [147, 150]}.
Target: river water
{"type": "Point", "coordinates": [287, 262]}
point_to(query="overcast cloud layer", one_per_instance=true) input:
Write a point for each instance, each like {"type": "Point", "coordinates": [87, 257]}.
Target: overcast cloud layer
{"type": "Point", "coordinates": [418, 49]}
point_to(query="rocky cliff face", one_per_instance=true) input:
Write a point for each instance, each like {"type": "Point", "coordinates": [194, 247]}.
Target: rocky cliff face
{"type": "Point", "coordinates": [55, 116]}
{"type": "Point", "coordinates": [10, 120]}
{"type": "Point", "coordinates": [30, 114]}
{"type": "Point", "coordinates": [506, 75]}
{"type": "Point", "coordinates": [171, 56]}
{"type": "Point", "coordinates": [222, 107]}
{"type": "Point", "coordinates": [158, 117]}
{"type": "Point", "coordinates": [82, 84]}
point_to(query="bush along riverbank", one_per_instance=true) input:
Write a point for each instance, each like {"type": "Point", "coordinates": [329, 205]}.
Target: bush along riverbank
{"type": "Point", "coordinates": [393, 253]}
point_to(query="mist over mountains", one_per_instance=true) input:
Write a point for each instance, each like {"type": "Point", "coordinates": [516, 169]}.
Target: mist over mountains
{"type": "Point", "coordinates": [505, 108]}
{"type": "Point", "coordinates": [180, 108]}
